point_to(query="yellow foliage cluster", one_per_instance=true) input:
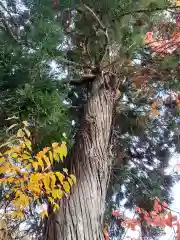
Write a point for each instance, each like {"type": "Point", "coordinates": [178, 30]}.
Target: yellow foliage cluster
{"type": "Point", "coordinates": [29, 177]}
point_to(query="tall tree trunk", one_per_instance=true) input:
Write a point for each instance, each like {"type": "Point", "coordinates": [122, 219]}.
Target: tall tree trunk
{"type": "Point", "coordinates": [81, 216]}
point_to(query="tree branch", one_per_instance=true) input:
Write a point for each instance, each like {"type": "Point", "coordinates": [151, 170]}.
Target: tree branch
{"type": "Point", "coordinates": [8, 29]}
{"type": "Point", "coordinates": [8, 12]}
{"type": "Point", "coordinates": [84, 80]}
{"type": "Point", "coordinates": [95, 16]}
{"type": "Point", "coordinates": [64, 60]}
{"type": "Point", "coordinates": [149, 10]}
{"type": "Point", "coordinates": [104, 30]}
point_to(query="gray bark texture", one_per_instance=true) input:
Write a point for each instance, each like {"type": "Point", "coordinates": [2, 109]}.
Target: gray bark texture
{"type": "Point", "coordinates": [81, 215]}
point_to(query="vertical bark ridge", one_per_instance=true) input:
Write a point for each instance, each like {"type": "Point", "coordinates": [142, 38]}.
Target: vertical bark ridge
{"type": "Point", "coordinates": [81, 216]}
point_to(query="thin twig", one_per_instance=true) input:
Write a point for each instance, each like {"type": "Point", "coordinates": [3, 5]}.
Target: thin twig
{"type": "Point", "coordinates": [104, 30]}
{"type": "Point", "coordinates": [2, 5]}
{"type": "Point", "coordinates": [148, 10]}
{"type": "Point", "coordinates": [95, 16]}
{"type": "Point", "coordinates": [7, 27]}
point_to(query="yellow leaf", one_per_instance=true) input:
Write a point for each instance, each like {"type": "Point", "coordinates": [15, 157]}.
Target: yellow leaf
{"type": "Point", "coordinates": [51, 157]}
{"type": "Point", "coordinates": [2, 159]}
{"type": "Point", "coordinates": [14, 155]}
{"type": "Point", "coordinates": [46, 159]}
{"type": "Point", "coordinates": [6, 195]}
{"type": "Point", "coordinates": [28, 144]}
{"type": "Point", "coordinates": [20, 133]}
{"type": "Point", "coordinates": [27, 132]}
{"type": "Point", "coordinates": [22, 145]}
{"type": "Point", "coordinates": [26, 156]}
{"type": "Point", "coordinates": [55, 206]}
{"type": "Point", "coordinates": [28, 167]}
{"type": "Point", "coordinates": [6, 167]}
{"type": "Point", "coordinates": [35, 165]}
{"type": "Point", "coordinates": [10, 180]}
{"type": "Point", "coordinates": [54, 145]}
{"type": "Point", "coordinates": [51, 200]}
{"type": "Point", "coordinates": [65, 170]}
{"type": "Point", "coordinates": [60, 176]}
{"type": "Point", "coordinates": [53, 180]}
{"type": "Point", "coordinates": [34, 190]}
{"type": "Point", "coordinates": [20, 215]}
{"type": "Point", "coordinates": [44, 213]}
{"type": "Point", "coordinates": [16, 149]}
{"type": "Point", "coordinates": [45, 150]}
{"type": "Point", "coordinates": [57, 193]}
{"type": "Point", "coordinates": [40, 162]}
{"type": "Point", "coordinates": [66, 186]}
{"type": "Point", "coordinates": [24, 200]}
{"type": "Point", "coordinates": [73, 178]}
{"type": "Point", "coordinates": [17, 215]}
{"type": "Point", "coordinates": [46, 182]}
{"type": "Point", "coordinates": [56, 156]}
{"type": "Point", "coordinates": [62, 150]}
{"type": "Point", "coordinates": [35, 177]}
{"type": "Point", "coordinates": [54, 193]}
{"type": "Point", "coordinates": [40, 154]}
{"type": "Point", "coordinates": [70, 181]}
{"type": "Point", "coordinates": [8, 152]}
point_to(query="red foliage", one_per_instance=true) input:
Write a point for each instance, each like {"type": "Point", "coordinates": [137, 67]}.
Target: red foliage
{"type": "Point", "coordinates": [130, 223]}
{"type": "Point", "coordinates": [161, 46]}
{"type": "Point", "coordinates": [178, 231]}
{"type": "Point", "coordinates": [169, 220]}
{"type": "Point", "coordinates": [164, 205]}
{"type": "Point", "coordinates": [116, 213]}
{"type": "Point", "coordinates": [157, 207]}
{"type": "Point", "coordinates": [158, 217]}
{"type": "Point", "coordinates": [138, 210]}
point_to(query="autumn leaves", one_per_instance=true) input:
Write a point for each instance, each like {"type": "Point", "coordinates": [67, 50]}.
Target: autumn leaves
{"type": "Point", "coordinates": [28, 178]}
{"type": "Point", "coordinates": [160, 216]}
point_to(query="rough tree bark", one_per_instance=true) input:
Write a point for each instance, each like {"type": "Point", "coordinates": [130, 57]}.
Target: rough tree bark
{"type": "Point", "coordinates": [81, 217]}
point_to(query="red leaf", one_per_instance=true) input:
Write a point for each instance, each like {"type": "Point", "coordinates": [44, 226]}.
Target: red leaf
{"type": "Point", "coordinates": [169, 220]}
{"type": "Point", "coordinates": [157, 206]}
{"type": "Point", "coordinates": [153, 214]}
{"type": "Point", "coordinates": [138, 210]}
{"type": "Point", "coordinates": [149, 38]}
{"type": "Point", "coordinates": [164, 205]}
{"type": "Point", "coordinates": [148, 220]}
{"type": "Point", "coordinates": [116, 213]}
{"type": "Point", "coordinates": [178, 228]}
{"type": "Point", "coordinates": [133, 225]}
